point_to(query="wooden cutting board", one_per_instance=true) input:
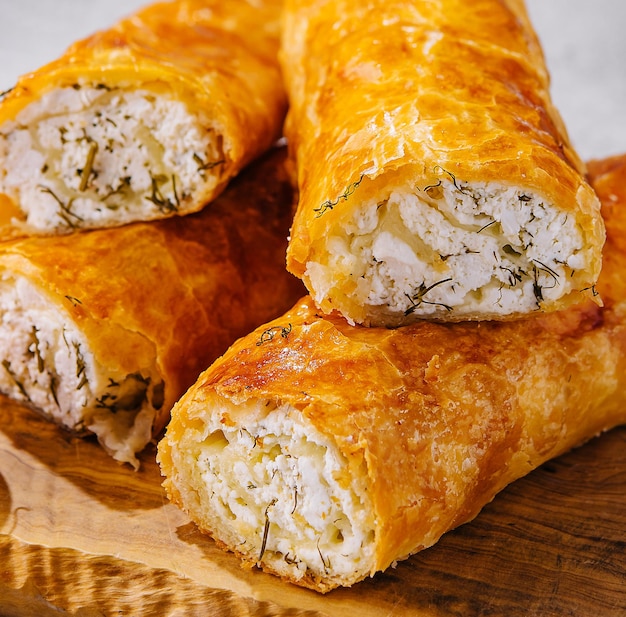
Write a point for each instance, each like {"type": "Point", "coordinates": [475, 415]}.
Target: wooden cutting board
{"type": "Point", "coordinates": [82, 535]}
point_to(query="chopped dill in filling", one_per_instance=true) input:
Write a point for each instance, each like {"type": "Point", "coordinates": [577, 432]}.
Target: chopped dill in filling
{"type": "Point", "coordinates": [47, 363]}
{"type": "Point", "coordinates": [95, 156]}
{"type": "Point", "coordinates": [277, 490]}
{"type": "Point", "coordinates": [449, 250]}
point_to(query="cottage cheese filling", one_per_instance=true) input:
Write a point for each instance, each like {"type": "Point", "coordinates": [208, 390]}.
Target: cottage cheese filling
{"type": "Point", "coordinates": [93, 156]}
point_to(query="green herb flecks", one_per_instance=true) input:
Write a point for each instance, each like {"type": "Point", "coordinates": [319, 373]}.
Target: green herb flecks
{"type": "Point", "coordinates": [592, 289]}
{"type": "Point", "coordinates": [81, 367]}
{"type": "Point", "coordinates": [325, 561]}
{"type": "Point", "coordinates": [434, 191]}
{"type": "Point", "coordinates": [34, 351]}
{"type": "Point", "coordinates": [266, 529]}
{"type": "Point", "coordinates": [120, 189]}
{"type": "Point", "coordinates": [164, 204]}
{"type": "Point", "coordinates": [86, 172]}
{"type": "Point", "coordinates": [73, 300]}
{"type": "Point", "coordinates": [417, 298]}
{"type": "Point", "coordinates": [295, 499]}
{"type": "Point", "coordinates": [290, 560]}
{"type": "Point", "coordinates": [128, 395]}
{"type": "Point", "coordinates": [53, 390]}
{"type": "Point", "coordinates": [107, 401]}
{"type": "Point", "coordinates": [515, 276]}
{"type": "Point", "coordinates": [5, 93]}
{"type": "Point", "coordinates": [70, 218]}
{"type": "Point", "coordinates": [330, 204]}
{"type": "Point", "coordinates": [486, 226]}
{"type": "Point", "coordinates": [16, 381]}
{"type": "Point", "coordinates": [537, 287]}
{"type": "Point", "coordinates": [206, 165]}
{"type": "Point", "coordinates": [462, 189]}
{"type": "Point", "coordinates": [270, 333]}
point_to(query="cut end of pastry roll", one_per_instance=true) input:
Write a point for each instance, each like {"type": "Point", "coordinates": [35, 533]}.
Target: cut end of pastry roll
{"type": "Point", "coordinates": [146, 120]}
{"type": "Point", "coordinates": [88, 157]}
{"type": "Point", "coordinates": [452, 250]}
{"type": "Point", "coordinates": [274, 490]}
{"type": "Point", "coordinates": [436, 179]}
{"type": "Point", "coordinates": [48, 364]}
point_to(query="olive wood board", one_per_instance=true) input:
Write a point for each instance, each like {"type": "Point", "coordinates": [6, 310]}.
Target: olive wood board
{"type": "Point", "coordinates": [82, 535]}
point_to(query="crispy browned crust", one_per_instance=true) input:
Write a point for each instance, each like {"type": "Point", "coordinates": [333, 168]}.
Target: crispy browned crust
{"type": "Point", "coordinates": [444, 415]}
{"type": "Point", "coordinates": [181, 289]}
{"type": "Point", "coordinates": [407, 93]}
{"type": "Point", "coordinates": [218, 58]}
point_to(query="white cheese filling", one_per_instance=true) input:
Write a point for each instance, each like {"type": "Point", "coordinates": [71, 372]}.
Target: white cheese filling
{"type": "Point", "coordinates": [93, 157]}
{"type": "Point", "coordinates": [46, 363]}
{"type": "Point", "coordinates": [450, 251]}
{"type": "Point", "coordinates": [280, 493]}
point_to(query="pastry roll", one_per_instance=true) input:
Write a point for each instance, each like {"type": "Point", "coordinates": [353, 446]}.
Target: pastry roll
{"type": "Point", "coordinates": [436, 179]}
{"type": "Point", "coordinates": [325, 452]}
{"type": "Point", "coordinates": [143, 121]}
{"type": "Point", "coordinates": [103, 331]}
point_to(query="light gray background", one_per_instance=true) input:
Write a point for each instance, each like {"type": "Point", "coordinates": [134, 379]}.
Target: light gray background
{"type": "Point", "coordinates": [584, 42]}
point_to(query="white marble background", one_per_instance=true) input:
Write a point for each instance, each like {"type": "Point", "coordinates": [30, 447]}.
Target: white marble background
{"type": "Point", "coordinates": [584, 42]}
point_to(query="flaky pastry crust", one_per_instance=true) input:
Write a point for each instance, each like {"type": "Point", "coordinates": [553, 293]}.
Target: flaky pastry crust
{"type": "Point", "coordinates": [412, 430]}
{"type": "Point", "coordinates": [436, 178]}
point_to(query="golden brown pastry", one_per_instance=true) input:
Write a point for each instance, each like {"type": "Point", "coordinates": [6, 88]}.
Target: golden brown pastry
{"type": "Point", "coordinates": [325, 452]}
{"type": "Point", "coordinates": [142, 121]}
{"type": "Point", "coordinates": [436, 178]}
{"type": "Point", "coordinates": [103, 331]}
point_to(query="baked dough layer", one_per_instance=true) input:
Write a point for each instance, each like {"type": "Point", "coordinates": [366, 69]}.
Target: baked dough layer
{"type": "Point", "coordinates": [145, 120]}
{"type": "Point", "coordinates": [103, 331]}
{"type": "Point", "coordinates": [368, 444]}
{"type": "Point", "coordinates": [436, 179]}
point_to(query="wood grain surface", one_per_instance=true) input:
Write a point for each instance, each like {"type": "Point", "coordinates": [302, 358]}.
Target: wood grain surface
{"type": "Point", "coordinates": [82, 535]}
